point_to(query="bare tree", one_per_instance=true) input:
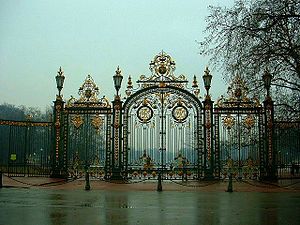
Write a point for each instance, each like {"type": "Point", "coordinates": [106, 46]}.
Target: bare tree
{"type": "Point", "coordinates": [254, 35]}
{"type": "Point", "coordinates": [12, 112]}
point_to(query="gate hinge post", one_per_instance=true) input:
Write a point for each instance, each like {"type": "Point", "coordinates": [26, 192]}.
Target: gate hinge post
{"type": "Point", "coordinates": [209, 163]}
{"type": "Point", "coordinates": [270, 161]}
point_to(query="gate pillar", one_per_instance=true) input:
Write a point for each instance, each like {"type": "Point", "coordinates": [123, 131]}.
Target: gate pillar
{"type": "Point", "coordinates": [117, 130]}
{"type": "Point", "coordinates": [271, 171]}
{"type": "Point", "coordinates": [208, 140]}
{"type": "Point", "coordinates": [58, 156]}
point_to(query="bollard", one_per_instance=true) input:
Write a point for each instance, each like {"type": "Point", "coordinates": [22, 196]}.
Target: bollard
{"type": "Point", "coordinates": [229, 188]}
{"type": "Point", "coordinates": [87, 179]}
{"type": "Point", "coordinates": [1, 179]}
{"type": "Point", "coordinates": [159, 186]}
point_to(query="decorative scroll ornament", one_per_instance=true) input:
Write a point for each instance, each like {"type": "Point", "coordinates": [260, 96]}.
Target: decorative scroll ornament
{"type": "Point", "coordinates": [88, 93]}
{"type": "Point", "coordinates": [238, 96]}
{"type": "Point", "coordinates": [249, 122]}
{"type": "Point", "coordinates": [162, 65]}
{"type": "Point", "coordinates": [77, 121]}
{"type": "Point", "coordinates": [97, 122]}
{"type": "Point", "coordinates": [228, 122]}
{"type": "Point", "coordinates": [162, 68]}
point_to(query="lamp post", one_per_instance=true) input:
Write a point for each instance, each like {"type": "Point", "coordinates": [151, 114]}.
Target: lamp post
{"type": "Point", "coordinates": [207, 80]}
{"type": "Point", "coordinates": [117, 128]}
{"type": "Point", "coordinates": [118, 80]}
{"type": "Point", "coordinates": [57, 120]}
{"type": "Point", "coordinates": [60, 78]}
{"type": "Point", "coordinates": [208, 131]}
{"type": "Point", "coordinates": [267, 77]}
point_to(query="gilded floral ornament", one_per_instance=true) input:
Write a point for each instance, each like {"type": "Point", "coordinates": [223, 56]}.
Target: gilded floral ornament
{"type": "Point", "coordinates": [249, 121]}
{"type": "Point", "coordinates": [97, 122]}
{"type": "Point", "coordinates": [228, 121]}
{"type": "Point", "coordinates": [77, 121]}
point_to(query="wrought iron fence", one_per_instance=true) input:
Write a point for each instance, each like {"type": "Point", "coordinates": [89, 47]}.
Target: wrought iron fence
{"type": "Point", "coordinates": [287, 144]}
{"type": "Point", "coordinates": [26, 148]}
{"type": "Point", "coordinates": [161, 128]}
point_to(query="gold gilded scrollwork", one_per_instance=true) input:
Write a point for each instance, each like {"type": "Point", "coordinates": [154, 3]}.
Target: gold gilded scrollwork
{"type": "Point", "coordinates": [88, 93]}
{"type": "Point", "coordinates": [237, 96]}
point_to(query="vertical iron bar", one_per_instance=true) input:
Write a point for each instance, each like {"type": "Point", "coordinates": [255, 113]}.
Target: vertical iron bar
{"type": "Point", "coordinates": [239, 140]}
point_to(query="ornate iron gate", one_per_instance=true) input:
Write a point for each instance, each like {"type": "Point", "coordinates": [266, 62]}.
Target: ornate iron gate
{"type": "Point", "coordinates": [239, 145]}
{"type": "Point", "coordinates": [87, 133]}
{"type": "Point", "coordinates": [162, 125]}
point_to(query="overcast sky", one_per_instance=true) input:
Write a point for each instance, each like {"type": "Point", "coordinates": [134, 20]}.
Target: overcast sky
{"type": "Point", "coordinates": [94, 37]}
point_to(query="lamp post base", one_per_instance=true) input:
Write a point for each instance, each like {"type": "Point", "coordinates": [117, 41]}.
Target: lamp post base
{"type": "Point", "coordinates": [116, 174]}
{"type": "Point", "coordinates": [209, 175]}
{"type": "Point", "coordinates": [87, 181]}
{"type": "Point", "coordinates": [229, 188]}
{"type": "Point", "coordinates": [57, 173]}
{"type": "Point", "coordinates": [1, 185]}
{"type": "Point", "coordinates": [159, 185]}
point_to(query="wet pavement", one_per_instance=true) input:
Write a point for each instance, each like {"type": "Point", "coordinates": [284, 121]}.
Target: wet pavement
{"type": "Point", "coordinates": [38, 206]}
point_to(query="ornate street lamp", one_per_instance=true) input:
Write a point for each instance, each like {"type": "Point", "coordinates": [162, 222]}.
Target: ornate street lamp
{"type": "Point", "coordinates": [118, 80]}
{"type": "Point", "coordinates": [267, 77]}
{"type": "Point", "coordinates": [60, 78]}
{"type": "Point", "coordinates": [207, 80]}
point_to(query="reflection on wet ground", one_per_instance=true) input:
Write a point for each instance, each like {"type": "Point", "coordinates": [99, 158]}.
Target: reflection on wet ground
{"type": "Point", "coordinates": [57, 207]}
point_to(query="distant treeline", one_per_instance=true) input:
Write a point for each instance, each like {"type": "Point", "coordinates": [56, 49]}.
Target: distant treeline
{"type": "Point", "coordinates": [13, 112]}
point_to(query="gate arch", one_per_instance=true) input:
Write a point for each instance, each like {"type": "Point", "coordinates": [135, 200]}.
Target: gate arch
{"type": "Point", "coordinates": [162, 130]}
